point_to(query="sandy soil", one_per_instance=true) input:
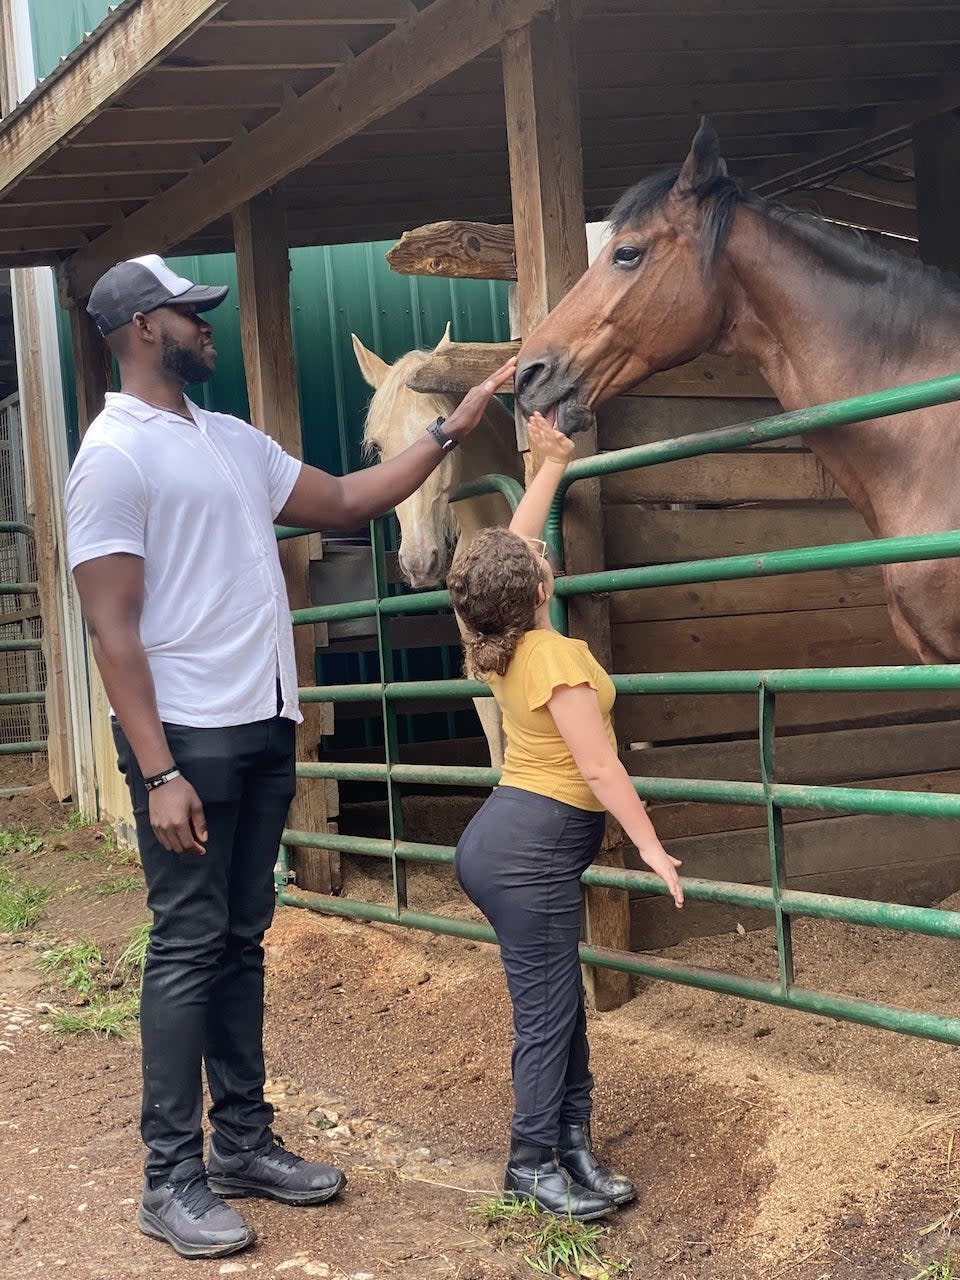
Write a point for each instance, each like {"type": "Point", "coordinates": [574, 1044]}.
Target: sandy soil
{"type": "Point", "coordinates": [766, 1144]}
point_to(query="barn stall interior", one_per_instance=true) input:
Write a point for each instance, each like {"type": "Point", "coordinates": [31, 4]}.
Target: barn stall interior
{"type": "Point", "coordinates": [202, 127]}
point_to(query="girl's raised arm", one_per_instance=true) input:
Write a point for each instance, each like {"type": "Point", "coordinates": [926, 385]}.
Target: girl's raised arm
{"type": "Point", "coordinates": [556, 449]}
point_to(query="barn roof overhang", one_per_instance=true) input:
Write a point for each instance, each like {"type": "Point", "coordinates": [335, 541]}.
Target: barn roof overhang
{"type": "Point", "coordinates": [377, 115]}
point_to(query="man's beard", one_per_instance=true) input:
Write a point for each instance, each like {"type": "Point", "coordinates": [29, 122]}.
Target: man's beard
{"type": "Point", "coordinates": [183, 364]}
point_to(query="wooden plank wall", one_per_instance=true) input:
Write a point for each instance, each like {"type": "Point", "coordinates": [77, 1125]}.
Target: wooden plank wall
{"type": "Point", "coordinates": [763, 499]}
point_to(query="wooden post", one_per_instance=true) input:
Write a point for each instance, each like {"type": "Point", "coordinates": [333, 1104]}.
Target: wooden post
{"type": "Point", "coordinates": [263, 273]}
{"type": "Point", "coordinates": [936, 152]}
{"type": "Point", "coordinates": [93, 378]}
{"type": "Point", "coordinates": [546, 179]}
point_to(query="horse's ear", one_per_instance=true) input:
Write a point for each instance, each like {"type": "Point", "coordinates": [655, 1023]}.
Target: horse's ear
{"type": "Point", "coordinates": [374, 369]}
{"type": "Point", "coordinates": [704, 162]}
{"type": "Point", "coordinates": [445, 340]}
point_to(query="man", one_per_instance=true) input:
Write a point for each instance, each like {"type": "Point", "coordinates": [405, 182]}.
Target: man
{"type": "Point", "coordinates": [170, 513]}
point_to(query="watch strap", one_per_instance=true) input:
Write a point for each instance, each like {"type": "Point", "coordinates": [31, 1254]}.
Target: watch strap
{"type": "Point", "coordinates": [159, 779]}
{"type": "Point", "coordinates": [435, 429]}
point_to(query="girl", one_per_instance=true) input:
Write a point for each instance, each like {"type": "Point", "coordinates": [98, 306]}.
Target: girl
{"type": "Point", "coordinates": [521, 858]}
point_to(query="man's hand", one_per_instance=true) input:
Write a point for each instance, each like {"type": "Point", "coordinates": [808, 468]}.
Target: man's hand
{"type": "Point", "coordinates": [472, 407]}
{"type": "Point", "coordinates": [176, 816]}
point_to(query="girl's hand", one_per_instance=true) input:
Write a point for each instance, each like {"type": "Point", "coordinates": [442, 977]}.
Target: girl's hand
{"type": "Point", "coordinates": [550, 443]}
{"type": "Point", "coordinates": [658, 860]}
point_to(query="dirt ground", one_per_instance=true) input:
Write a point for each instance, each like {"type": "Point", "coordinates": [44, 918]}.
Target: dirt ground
{"type": "Point", "coordinates": [766, 1144]}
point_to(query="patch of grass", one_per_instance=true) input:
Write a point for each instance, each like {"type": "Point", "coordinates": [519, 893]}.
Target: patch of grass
{"type": "Point", "coordinates": [119, 884]}
{"type": "Point", "coordinates": [75, 963]}
{"type": "Point", "coordinates": [19, 840]}
{"type": "Point", "coordinates": [74, 821]}
{"type": "Point", "coordinates": [550, 1246]}
{"type": "Point", "coordinates": [103, 1016]}
{"type": "Point", "coordinates": [945, 1270]}
{"type": "Point", "coordinates": [130, 962]}
{"type": "Point", "coordinates": [20, 906]}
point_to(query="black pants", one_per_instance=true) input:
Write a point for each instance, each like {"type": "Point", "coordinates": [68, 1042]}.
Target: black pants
{"type": "Point", "coordinates": [520, 861]}
{"type": "Point", "coordinates": [202, 997]}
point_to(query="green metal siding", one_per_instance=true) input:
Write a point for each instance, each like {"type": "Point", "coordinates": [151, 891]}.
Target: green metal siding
{"type": "Point", "coordinates": [58, 26]}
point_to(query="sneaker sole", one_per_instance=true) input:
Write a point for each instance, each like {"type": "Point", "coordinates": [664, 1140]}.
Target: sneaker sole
{"type": "Point", "coordinates": [151, 1226]}
{"type": "Point", "coordinates": [230, 1188]}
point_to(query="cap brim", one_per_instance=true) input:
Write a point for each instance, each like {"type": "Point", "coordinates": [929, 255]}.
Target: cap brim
{"type": "Point", "coordinates": [203, 297]}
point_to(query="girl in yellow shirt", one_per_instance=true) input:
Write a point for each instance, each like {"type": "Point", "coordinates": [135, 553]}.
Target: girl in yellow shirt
{"type": "Point", "coordinates": [521, 858]}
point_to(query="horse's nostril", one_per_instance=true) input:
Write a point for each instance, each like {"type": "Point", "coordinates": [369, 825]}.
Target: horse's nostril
{"type": "Point", "coordinates": [527, 376]}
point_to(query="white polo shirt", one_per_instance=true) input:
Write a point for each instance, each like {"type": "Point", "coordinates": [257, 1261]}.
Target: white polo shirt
{"type": "Point", "coordinates": [197, 501]}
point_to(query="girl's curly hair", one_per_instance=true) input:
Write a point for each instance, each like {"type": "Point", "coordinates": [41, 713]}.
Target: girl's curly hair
{"type": "Point", "coordinates": [493, 588]}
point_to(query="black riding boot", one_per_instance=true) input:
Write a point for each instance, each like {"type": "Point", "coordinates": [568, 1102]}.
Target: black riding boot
{"type": "Point", "coordinates": [575, 1155]}
{"type": "Point", "coordinates": [534, 1174]}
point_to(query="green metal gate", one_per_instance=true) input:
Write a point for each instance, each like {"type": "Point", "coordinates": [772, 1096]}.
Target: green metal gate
{"type": "Point", "coordinates": [768, 794]}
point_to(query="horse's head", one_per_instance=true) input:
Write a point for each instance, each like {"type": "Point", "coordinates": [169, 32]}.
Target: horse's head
{"type": "Point", "coordinates": [396, 419]}
{"type": "Point", "coordinates": [651, 300]}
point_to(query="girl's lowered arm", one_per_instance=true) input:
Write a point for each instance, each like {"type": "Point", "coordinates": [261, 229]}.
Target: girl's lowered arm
{"type": "Point", "coordinates": [556, 450]}
{"type": "Point", "coordinates": [576, 713]}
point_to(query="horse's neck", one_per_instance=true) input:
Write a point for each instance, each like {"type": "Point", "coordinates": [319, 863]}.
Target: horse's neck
{"type": "Point", "coordinates": [799, 326]}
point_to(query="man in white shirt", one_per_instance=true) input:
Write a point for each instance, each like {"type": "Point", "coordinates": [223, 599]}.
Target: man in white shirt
{"type": "Point", "coordinates": [170, 512]}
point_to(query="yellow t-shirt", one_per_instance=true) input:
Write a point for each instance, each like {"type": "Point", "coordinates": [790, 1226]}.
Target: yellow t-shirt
{"type": "Point", "coordinates": [537, 758]}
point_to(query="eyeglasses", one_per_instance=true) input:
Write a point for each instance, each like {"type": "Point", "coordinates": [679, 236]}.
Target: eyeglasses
{"type": "Point", "coordinates": [540, 546]}
{"type": "Point", "coordinates": [543, 551]}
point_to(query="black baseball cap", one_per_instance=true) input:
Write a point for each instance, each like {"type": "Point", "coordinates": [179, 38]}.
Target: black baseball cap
{"type": "Point", "coordinates": [143, 284]}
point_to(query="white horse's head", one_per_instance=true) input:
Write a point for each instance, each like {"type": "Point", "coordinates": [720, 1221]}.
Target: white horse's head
{"type": "Point", "coordinates": [396, 419]}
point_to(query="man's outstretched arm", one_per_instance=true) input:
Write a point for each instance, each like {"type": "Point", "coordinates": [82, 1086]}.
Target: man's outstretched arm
{"type": "Point", "coordinates": [319, 500]}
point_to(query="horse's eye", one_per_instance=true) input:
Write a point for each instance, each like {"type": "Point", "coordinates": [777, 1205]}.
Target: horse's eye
{"type": "Point", "coordinates": [628, 255]}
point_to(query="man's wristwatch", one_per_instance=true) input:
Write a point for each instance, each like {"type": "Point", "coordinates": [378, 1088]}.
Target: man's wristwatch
{"type": "Point", "coordinates": [159, 779]}
{"type": "Point", "coordinates": [445, 442]}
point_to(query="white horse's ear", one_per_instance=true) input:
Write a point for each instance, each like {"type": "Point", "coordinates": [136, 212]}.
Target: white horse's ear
{"type": "Point", "coordinates": [445, 340]}
{"type": "Point", "coordinates": [374, 369]}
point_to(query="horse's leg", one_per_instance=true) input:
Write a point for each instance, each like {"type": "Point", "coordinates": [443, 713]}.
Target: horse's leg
{"type": "Point", "coordinates": [492, 723]}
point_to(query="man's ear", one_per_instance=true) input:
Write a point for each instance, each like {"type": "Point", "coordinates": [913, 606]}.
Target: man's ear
{"type": "Point", "coordinates": [541, 593]}
{"type": "Point", "coordinates": [143, 328]}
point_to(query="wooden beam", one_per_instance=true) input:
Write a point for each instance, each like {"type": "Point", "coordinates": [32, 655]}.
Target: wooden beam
{"type": "Point", "coordinates": [936, 151]}
{"type": "Point", "coordinates": [854, 211]}
{"type": "Point", "coordinates": [91, 364]}
{"type": "Point", "coordinates": [263, 279]}
{"type": "Point", "coordinates": [131, 43]}
{"type": "Point", "coordinates": [282, 13]}
{"type": "Point", "coordinates": [893, 131]}
{"type": "Point", "coordinates": [461, 365]}
{"type": "Point", "coordinates": [474, 250]}
{"type": "Point", "coordinates": [546, 178]}
{"type": "Point", "coordinates": [414, 56]}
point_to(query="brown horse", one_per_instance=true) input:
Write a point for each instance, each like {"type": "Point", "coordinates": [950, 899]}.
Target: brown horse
{"type": "Point", "coordinates": [695, 264]}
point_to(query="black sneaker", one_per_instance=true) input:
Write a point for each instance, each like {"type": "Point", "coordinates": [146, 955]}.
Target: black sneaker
{"type": "Point", "coordinates": [274, 1173]}
{"type": "Point", "coordinates": [186, 1214]}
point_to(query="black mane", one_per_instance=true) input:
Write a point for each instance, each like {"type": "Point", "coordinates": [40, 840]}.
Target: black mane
{"type": "Point", "coordinates": [844, 249]}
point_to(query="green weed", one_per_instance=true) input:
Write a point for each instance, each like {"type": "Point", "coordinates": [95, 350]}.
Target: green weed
{"type": "Point", "coordinates": [74, 821]}
{"type": "Point", "coordinates": [945, 1270]}
{"type": "Point", "coordinates": [119, 884]}
{"type": "Point", "coordinates": [550, 1246]}
{"type": "Point", "coordinates": [130, 962]}
{"type": "Point", "coordinates": [19, 840]}
{"type": "Point", "coordinates": [75, 963]}
{"type": "Point", "coordinates": [19, 907]}
{"type": "Point", "coordinates": [103, 1016]}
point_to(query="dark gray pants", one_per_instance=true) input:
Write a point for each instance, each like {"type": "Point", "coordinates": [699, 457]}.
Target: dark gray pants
{"type": "Point", "coordinates": [202, 997]}
{"type": "Point", "coordinates": [520, 861]}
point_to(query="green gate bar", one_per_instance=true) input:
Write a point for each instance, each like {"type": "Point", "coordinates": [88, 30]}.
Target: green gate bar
{"type": "Point", "coordinates": [768, 794]}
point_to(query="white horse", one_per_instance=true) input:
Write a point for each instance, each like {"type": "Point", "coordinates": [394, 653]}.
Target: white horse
{"type": "Point", "coordinates": [431, 527]}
